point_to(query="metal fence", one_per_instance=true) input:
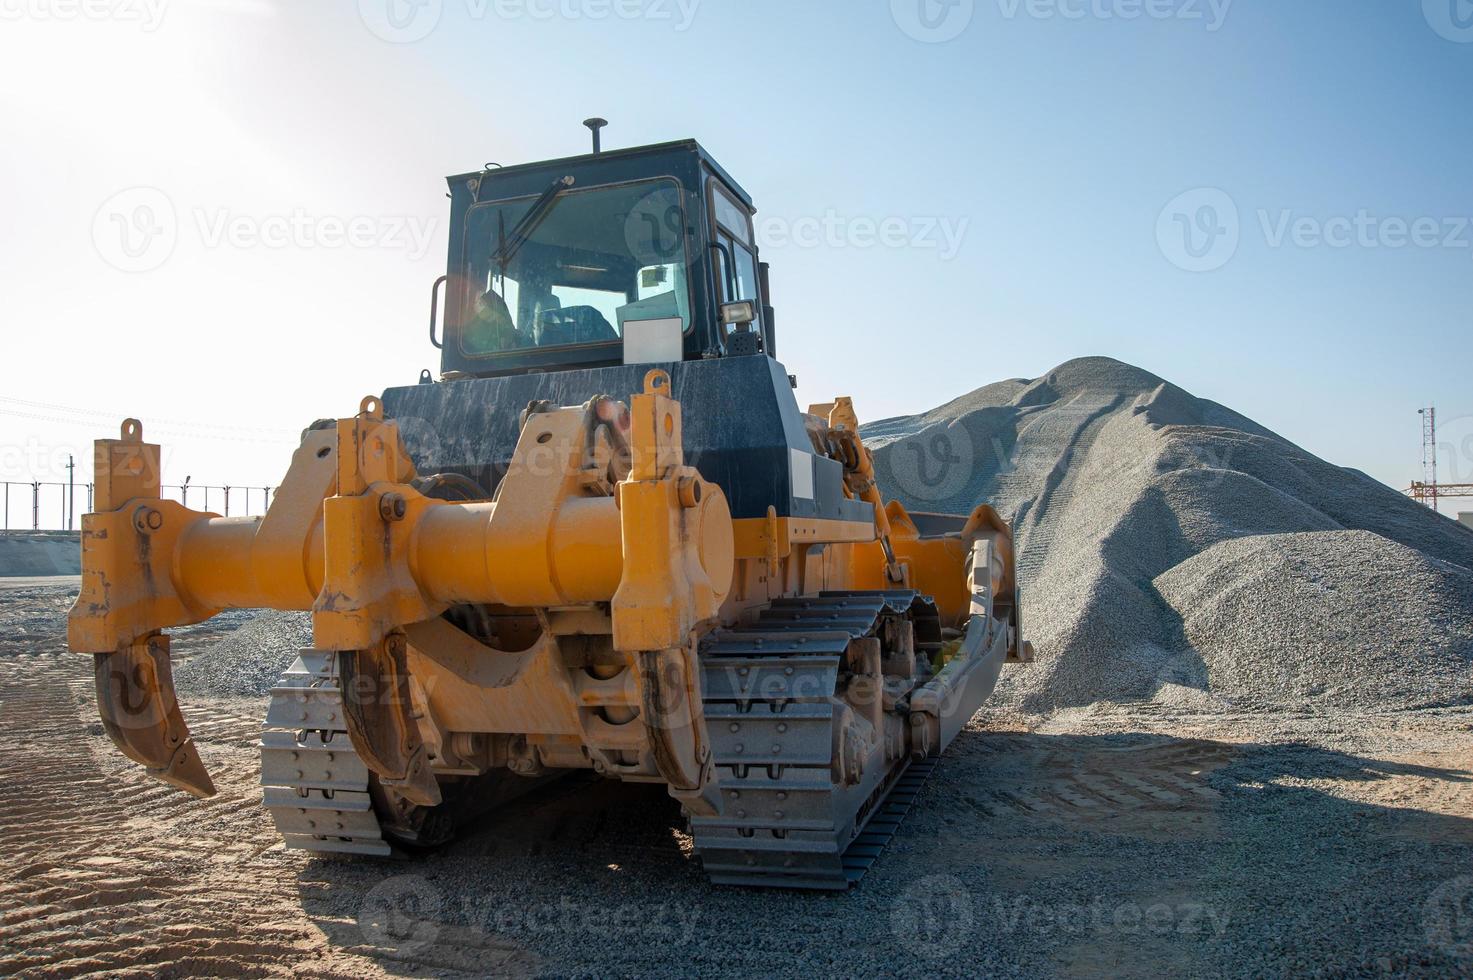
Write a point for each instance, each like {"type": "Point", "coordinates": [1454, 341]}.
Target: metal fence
{"type": "Point", "coordinates": [49, 506]}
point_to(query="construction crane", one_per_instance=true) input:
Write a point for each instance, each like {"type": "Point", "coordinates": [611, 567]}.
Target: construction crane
{"type": "Point", "coordinates": [1428, 490]}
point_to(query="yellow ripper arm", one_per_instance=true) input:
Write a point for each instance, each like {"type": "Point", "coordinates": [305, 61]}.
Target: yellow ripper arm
{"type": "Point", "coordinates": [349, 537]}
{"type": "Point", "coordinates": [840, 441]}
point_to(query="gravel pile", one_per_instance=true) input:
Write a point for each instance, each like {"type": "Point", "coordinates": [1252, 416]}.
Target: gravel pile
{"type": "Point", "coordinates": [1345, 640]}
{"type": "Point", "coordinates": [247, 661]}
{"type": "Point", "coordinates": [1172, 549]}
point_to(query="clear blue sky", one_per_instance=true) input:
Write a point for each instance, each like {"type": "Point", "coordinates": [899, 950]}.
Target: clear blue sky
{"type": "Point", "coordinates": [1052, 143]}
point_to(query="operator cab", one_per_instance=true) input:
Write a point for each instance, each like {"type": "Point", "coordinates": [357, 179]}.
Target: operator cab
{"type": "Point", "coordinates": [638, 256]}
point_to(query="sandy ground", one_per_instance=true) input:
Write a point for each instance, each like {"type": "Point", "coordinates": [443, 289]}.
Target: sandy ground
{"type": "Point", "coordinates": [1111, 839]}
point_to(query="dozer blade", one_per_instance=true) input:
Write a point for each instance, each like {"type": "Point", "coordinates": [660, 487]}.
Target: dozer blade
{"type": "Point", "coordinates": [140, 712]}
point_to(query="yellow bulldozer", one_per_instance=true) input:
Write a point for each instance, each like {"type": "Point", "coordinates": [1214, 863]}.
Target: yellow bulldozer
{"type": "Point", "coordinates": [605, 538]}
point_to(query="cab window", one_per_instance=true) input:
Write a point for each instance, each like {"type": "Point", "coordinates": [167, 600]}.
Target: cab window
{"type": "Point", "coordinates": [738, 281]}
{"type": "Point", "coordinates": [575, 269]}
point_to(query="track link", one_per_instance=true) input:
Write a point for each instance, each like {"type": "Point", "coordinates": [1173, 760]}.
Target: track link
{"type": "Point", "coordinates": [314, 783]}
{"type": "Point", "coordinates": [769, 691]}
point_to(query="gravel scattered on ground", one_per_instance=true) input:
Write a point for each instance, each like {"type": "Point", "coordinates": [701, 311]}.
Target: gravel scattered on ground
{"type": "Point", "coordinates": [1108, 840]}
{"type": "Point", "coordinates": [33, 619]}
{"type": "Point", "coordinates": [247, 661]}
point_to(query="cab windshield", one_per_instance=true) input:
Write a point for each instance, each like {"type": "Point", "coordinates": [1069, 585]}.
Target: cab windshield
{"type": "Point", "coordinates": [592, 262]}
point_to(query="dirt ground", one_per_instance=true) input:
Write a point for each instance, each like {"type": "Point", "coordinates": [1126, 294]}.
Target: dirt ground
{"type": "Point", "coordinates": [1118, 839]}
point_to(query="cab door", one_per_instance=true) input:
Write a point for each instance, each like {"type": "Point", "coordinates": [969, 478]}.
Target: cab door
{"type": "Point", "coordinates": [735, 262]}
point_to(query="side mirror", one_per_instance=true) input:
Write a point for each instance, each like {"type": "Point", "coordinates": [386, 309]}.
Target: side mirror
{"type": "Point", "coordinates": [739, 314]}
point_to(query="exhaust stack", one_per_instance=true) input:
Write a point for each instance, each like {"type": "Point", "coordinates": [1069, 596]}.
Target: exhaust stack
{"type": "Point", "coordinates": [595, 124]}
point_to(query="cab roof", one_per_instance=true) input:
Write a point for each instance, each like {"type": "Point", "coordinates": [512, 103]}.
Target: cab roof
{"type": "Point", "coordinates": [688, 146]}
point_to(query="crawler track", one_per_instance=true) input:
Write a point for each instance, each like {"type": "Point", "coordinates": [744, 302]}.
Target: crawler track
{"type": "Point", "coordinates": [313, 782]}
{"type": "Point", "coordinates": [769, 692]}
